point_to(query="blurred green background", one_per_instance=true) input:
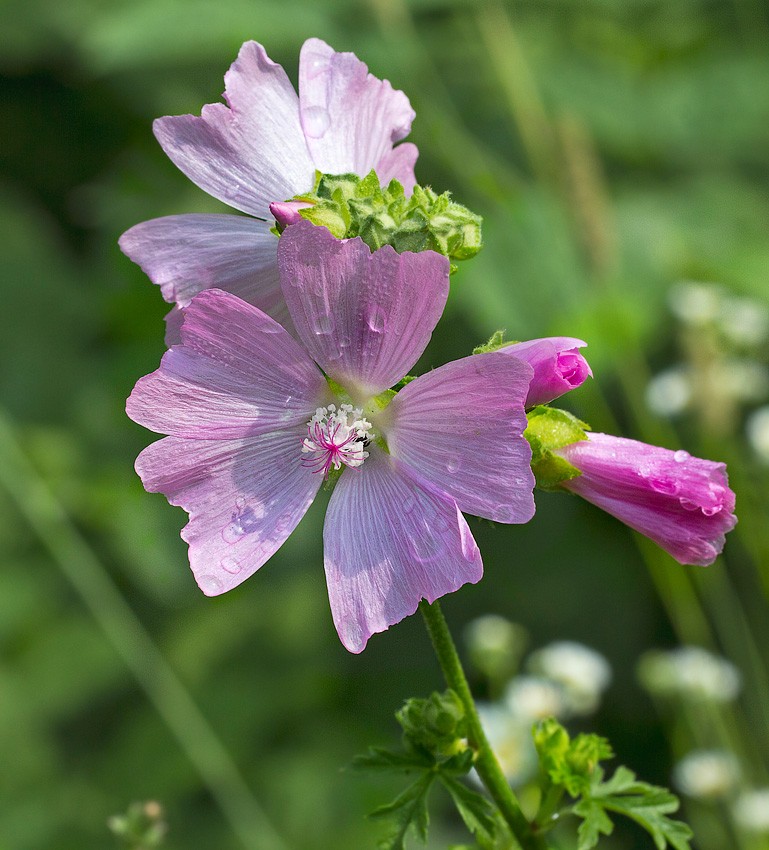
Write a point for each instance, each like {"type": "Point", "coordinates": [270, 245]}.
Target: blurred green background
{"type": "Point", "coordinates": [614, 149]}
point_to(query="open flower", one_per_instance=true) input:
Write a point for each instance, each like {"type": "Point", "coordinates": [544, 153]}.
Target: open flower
{"type": "Point", "coordinates": [682, 503]}
{"type": "Point", "coordinates": [262, 148]}
{"type": "Point", "coordinates": [254, 427]}
{"type": "Point", "coordinates": [557, 363]}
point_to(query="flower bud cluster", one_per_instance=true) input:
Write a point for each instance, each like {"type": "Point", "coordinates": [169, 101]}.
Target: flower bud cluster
{"type": "Point", "coordinates": [350, 206]}
{"type": "Point", "coordinates": [436, 724]}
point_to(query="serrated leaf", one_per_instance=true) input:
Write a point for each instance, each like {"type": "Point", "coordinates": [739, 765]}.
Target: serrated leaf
{"type": "Point", "coordinates": [595, 823]}
{"type": "Point", "coordinates": [476, 811]}
{"type": "Point", "coordinates": [379, 759]}
{"type": "Point", "coordinates": [408, 812]}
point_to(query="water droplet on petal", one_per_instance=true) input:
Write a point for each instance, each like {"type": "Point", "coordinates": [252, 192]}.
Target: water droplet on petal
{"type": "Point", "coordinates": [245, 520]}
{"type": "Point", "coordinates": [344, 341]}
{"type": "Point", "coordinates": [680, 456]}
{"type": "Point", "coordinates": [409, 502]}
{"type": "Point", "coordinates": [502, 513]}
{"type": "Point", "coordinates": [322, 323]}
{"type": "Point", "coordinates": [664, 485]}
{"type": "Point", "coordinates": [376, 319]}
{"type": "Point", "coordinates": [425, 546]}
{"type": "Point", "coordinates": [210, 585]}
{"type": "Point", "coordinates": [231, 565]}
{"type": "Point", "coordinates": [315, 121]}
{"type": "Point", "coordinates": [232, 191]}
{"type": "Point", "coordinates": [712, 511]}
{"type": "Point", "coordinates": [453, 464]}
{"type": "Point", "coordinates": [271, 328]}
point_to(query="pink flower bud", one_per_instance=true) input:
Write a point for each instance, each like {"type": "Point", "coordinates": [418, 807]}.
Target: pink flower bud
{"type": "Point", "coordinates": [288, 212]}
{"type": "Point", "coordinates": [682, 503]}
{"type": "Point", "coordinates": [558, 366]}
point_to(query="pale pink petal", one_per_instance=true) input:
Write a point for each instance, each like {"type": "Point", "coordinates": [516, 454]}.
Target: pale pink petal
{"type": "Point", "coordinates": [461, 427]}
{"type": "Point", "coordinates": [389, 540]}
{"type": "Point", "coordinates": [364, 317]}
{"type": "Point", "coordinates": [173, 319]}
{"type": "Point", "coordinates": [185, 254]}
{"type": "Point", "coordinates": [682, 503]}
{"type": "Point", "coordinates": [252, 153]}
{"type": "Point", "coordinates": [399, 165]}
{"type": "Point", "coordinates": [237, 374]}
{"type": "Point", "coordinates": [557, 363]}
{"type": "Point", "coordinates": [350, 118]}
{"type": "Point", "coordinates": [244, 498]}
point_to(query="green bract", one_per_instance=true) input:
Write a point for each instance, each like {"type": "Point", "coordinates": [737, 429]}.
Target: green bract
{"type": "Point", "coordinates": [425, 221]}
{"type": "Point", "coordinates": [548, 429]}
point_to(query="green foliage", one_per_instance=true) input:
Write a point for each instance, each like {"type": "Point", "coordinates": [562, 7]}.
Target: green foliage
{"type": "Point", "coordinates": [433, 736]}
{"type": "Point", "coordinates": [550, 428]}
{"type": "Point", "coordinates": [142, 827]}
{"type": "Point", "coordinates": [350, 206]}
{"type": "Point", "coordinates": [573, 766]}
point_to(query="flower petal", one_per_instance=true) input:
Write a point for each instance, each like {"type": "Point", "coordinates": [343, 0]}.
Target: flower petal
{"type": "Point", "coordinates": [364, 317]}
{"type": "Point", "coordinates": [238, 373]}
{"type": "Point", "coordinates": [185, 254]}
{"type": "Point", "coordinates": [461, 427]}
{"type": "Point", "coordinates": [244, 498]}
{"type": "Point", "coordinates": [558, 366]}
{"type": "Point", "coordinates": [391, 539]}
{"type": "Point", "coordinates": [399, 165]}
{"type": "Point", "coordinates": [252, 153]}
{"type": "Point", "coordinates": [682, 503]}
{"type": "Point", "coordinates": [349, 117]}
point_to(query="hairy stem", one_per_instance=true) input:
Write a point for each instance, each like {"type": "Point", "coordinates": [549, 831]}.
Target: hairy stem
{"type": "Point", "coordinates": [486, 763]}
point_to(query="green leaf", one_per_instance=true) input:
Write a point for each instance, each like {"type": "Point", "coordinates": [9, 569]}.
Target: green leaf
{"type": "Point", "coordinates": [476, 811]}
{"type": "Point", "coordinates": [408, 813]}
{"type": "Point", "coordinates": [648, 805]}
{"type": "Point", "coordinates": [381, 760]}
{"type": "Point", "coordinates": [595, 823]}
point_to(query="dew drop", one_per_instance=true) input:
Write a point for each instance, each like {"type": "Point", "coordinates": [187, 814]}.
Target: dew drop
{"type": "Point", "coordinates": [245, 520]}
{"type": "Point", "coordinates": [210, 585]}
{"type": "Point", "coordinates": [453, 464]}
{"type": "Point", "coordinates": [315, 121]}
{"type": "Point", "coordinates": [322, 323]}
{"type": "Point", "coordinates": [680, 456]}
{"type": "Point", "coordinates": [440, 522]}
{"type": "Point", "coordinates": [712, 511]}
{"type": "Point", "coordinates": [344, 341]}
{"type": "Point", "coordinates": [409, 502]}
{"type": "Point", "coordinates": [271, 328]}
{"type": "Point", "coordinates": [376, 319]}
{"type": "Point", "coordinates": [231, 565]}
{"type": "Point", "coordinates": [232, 191]}
{"type": "Point", "coordinates": [425, 547]}
{"type": "Point", "coordinates": [664, 485]}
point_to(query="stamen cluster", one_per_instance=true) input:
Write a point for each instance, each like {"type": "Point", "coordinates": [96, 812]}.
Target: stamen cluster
{"type": "Point", "coordinates": [336, 437]}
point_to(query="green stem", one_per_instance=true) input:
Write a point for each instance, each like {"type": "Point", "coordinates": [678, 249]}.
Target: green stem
{"type": "Point", "coordinates": [486, 763]}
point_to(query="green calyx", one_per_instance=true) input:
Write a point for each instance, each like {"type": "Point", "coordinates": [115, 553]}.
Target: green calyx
{"type": "Point", "coordinates": [496, 341]}
{"type": "Point", "coordinates": [548, 429]}
{"type": "Point", "coordinates": [350, 206]}
{"type": "Point", "coordinates": [436, 725]}
{"type": "Point", "coordinates": [569, 763]}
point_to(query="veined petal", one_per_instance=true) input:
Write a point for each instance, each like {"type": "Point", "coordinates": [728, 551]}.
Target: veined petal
{"type": "Point", "coordinates": [350, 118]}
{"type": "Point", "coordinates": [461, 427]}
{"type": "Point", "coordinates": [244, 498]}
{"type": "Point", "coordinates": [390, 539]}
{"type": "Point", "coordinates": [364, 317]}
{"type": "Point", "coordinates": [252, 153]}
{"type": "Point", "coordinates": [185, 254]}
{"type": "Point", "coordinates": [237, 374]}
{"type": "Point", "coordinates": [399, 165]}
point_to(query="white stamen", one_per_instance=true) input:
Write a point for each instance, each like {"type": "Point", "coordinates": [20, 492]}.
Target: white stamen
{"type": "Point", "coordinates": [336, 437]}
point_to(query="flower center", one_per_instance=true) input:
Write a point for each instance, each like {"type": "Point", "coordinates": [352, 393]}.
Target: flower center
{"type": "Point", "coordinates": [336, 437]}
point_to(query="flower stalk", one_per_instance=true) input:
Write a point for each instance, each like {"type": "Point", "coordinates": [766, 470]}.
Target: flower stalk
{"type": "Point", "coordinates": [486, 764]}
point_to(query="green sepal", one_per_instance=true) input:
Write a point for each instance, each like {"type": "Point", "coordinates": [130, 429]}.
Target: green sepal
{"type": "Point", "coordinates": [550, 428]}
{"type": "Point", "coordinates": [350, 206]}
{"type": "Point", "coordinates": [567, 763]}
{"type": "Point", "coordinates": [436, 725]}
{"type": "Point", "coordinates": [496, 341]}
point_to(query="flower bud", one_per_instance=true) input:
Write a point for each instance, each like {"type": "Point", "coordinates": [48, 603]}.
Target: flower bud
{"type": "Point", "coordinates": [682, 503]}
{"type": "Point", "coordinates": [558, 366]}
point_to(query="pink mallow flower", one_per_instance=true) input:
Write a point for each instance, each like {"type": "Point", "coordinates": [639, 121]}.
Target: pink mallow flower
{"type": "Point", "coordinates": [682, 503]}
{"type": "Point", "coordinates": [262, 148]}
{"type": "Point", "coordinates": [254, 428]}
{"type": "Point", "coordinates": [558, 366]}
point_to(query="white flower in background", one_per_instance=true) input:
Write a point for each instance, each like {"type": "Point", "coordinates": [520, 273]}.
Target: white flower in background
{"type": "Point", "coordinates": [583, 673]}
{"type": "Point", "coordinates": [670, 392]}
{"type": "Point", "coordinates": [495, 645]}
{"type": "Point", "coordinates": [706, 774]}
{"type": "Point", "coordinates": [751, 810]}
{"type": "Point", "coordinates": [696, 303]}
{"type": "Point", "coordinates": [742, 379]}
{"type": "Point", "coordinates": [511, 740]}
{"type": "Point", "coordinates": [757, 429]}
{"type": "Point", "coordinates": [744, 320]}
{"type": "Point", "coordinates": [690, 672]}
{"type": "Point", "coordinates": [531, 698]}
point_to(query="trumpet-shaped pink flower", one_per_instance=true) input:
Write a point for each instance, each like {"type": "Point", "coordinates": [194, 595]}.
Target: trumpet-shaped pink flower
{"type": "Point", "coordinates": [558, 366]}
{"type": "Point", "coordinates": [262, 148]}
{"type": "Point", "coordinates": [682, 503]}
{"type": "Point", "coordinates": [254, 428]}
